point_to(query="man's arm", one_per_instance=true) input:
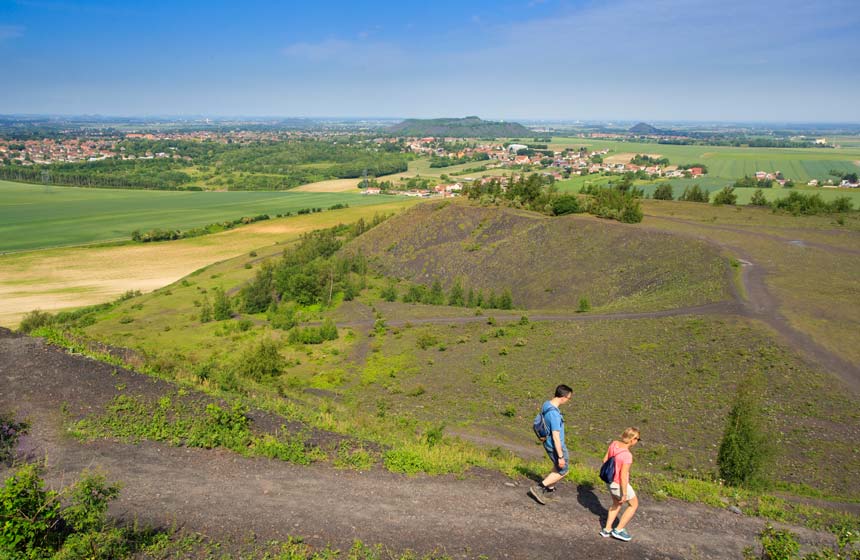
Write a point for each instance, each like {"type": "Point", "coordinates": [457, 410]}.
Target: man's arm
{"type": "Point", "coordinates": [559, 450]}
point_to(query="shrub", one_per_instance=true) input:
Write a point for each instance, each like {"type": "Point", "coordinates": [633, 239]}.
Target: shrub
{"type": "Point", "coordinates": [389, 292]}
{"type": "Point", "coordinates": [221, 309]}
{"type": "Point", "coordinates": [328, 330]}
{"type": "Point", "coordinates": [34, 320]}
{"type": "Point", "coordinates": [758, 198]}
{"type": "Point", "coordinates": [426, 340]}
{"type": "Point", "coordinates": [615, 204]}
{"type": "Point", "coordinates": [744, 449]}
{"type": "Point", "coordinates": [262, 360]}
{"type": "Point", "coordinates": [694, 194]}
{"type": "Point", "coordinates": [664, 191]}
{"type": "Point", "coordinates": [584, 305]}
{"type": "Point", "coordinates": [726, 196]}
{"type": "Point", "coordinates": [566, 204]}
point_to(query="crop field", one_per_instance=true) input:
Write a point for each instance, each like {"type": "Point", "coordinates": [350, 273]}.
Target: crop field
{"type": "Point", "coordinates": [36, 217]}
{"type": "Point", "coordinates": [63, 278]}
{"type": "Point", "coordinates": [730, 163]}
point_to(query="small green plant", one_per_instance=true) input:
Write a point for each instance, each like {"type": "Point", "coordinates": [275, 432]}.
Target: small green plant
{"type": "Point", "coordinates": [426, 340]}
{"type": "Point", "coordinates": [260, 361]}
{"type": "Point", "coordinates": [584, 305]}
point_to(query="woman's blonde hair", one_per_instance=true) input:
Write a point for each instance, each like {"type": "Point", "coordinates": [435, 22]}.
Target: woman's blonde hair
{"type": "Point", "coordinates": [628, 434]}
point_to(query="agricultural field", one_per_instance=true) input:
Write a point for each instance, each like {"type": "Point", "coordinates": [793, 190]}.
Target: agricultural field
{"type": "Point", "coordinates": [730, 163]}
{"type": "Point", "coordinates": [63, 278]}
{"type": "Point", "coordinates": [38, 217]}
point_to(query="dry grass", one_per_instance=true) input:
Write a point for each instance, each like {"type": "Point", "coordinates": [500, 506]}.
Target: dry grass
{"type": "Point", "coordinates": [334, 185]}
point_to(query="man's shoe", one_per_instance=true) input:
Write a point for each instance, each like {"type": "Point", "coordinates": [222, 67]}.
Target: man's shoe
{"type": "Point", "coordinates": [604, 533]}
{"type": "Point", "coordinates": [621, 535]}
{"type": "Point", "coordinates": [537, 493]}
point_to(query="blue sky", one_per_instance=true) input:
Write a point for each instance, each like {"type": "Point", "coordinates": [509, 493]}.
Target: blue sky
{"type": "Point", "coordinates": [768, 60]}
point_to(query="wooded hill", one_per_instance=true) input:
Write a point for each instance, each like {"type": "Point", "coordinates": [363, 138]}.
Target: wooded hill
{"type": "Point", "coordinates": [468, 127]}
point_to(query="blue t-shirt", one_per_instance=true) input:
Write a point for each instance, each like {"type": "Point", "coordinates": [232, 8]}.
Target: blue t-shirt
{"type": "Point", "coordinates": [555, 422]}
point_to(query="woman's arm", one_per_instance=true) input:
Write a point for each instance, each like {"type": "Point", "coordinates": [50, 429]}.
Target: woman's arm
{"type": "Point", "coordinates": [625, 480]}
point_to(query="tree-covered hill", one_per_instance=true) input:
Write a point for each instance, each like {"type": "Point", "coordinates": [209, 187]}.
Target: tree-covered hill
{"type": "Point", "coordinates": [468, 127]}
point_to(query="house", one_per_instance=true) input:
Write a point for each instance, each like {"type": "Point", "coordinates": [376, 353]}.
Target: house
{"type": "Point", "coordinates": [372, 190]}
{"type": "Point", "coordinates": [696, 171]}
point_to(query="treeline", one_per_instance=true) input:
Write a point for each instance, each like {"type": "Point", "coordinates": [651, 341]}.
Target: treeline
{"type": "Point", "coordinates": [109, 173]}
{"type": "Point", "coordinates": [457, 296]}
{"type": "Point", "coordinates": [643, 159]}
{"type": "Point", "coordinates": [438, 161]}
{"type": "Point", "coordinates": [619, 201]}
{"type": "Point", "coordinates": [795, 203]}
{"type": "Point", "coordinates": [170, 235]}
{"type": "Point", "coordinates": [739, 141]}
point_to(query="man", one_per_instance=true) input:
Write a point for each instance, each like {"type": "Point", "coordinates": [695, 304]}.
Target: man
{"type": "Point", "coordinates": [554, 444]}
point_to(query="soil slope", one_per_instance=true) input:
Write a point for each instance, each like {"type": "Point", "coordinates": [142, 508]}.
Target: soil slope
{"type": "Point", "coordinates": [227, 496]}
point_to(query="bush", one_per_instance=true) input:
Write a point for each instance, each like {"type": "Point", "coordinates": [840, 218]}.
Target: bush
{"type": "Point", "coordinates": [584, 305]}
{"type": "Point", "coordinates": [726, 196]}
{"type": "Point", "coordinates": [758, 198]}
{"type": "Point", "coordinates": [694, 194]}
{"type": "Point", "coordinates": [35, 525]}
{"type": "Point", "coordinates": [260, 361]}
{"type": "Point", "coordinates": [744, 449]}
{"type": "Point", "coordinates": [664, 191]}
{"type": "Point", "coordinates": [35, 319]}
{"type": "Point", "coordinates": [566, 204]}
{"type": "Point", "coordinates": [221, 309]}
{"type": "Point", "coordinates": [389, 292]}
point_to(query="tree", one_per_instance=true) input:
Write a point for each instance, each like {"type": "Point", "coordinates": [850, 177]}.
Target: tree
{"type": "Point", "coordinates": [455, 296]}
{"type": "Point", "coordinates": [221, 308]}
{"type": "Point", "coordinates": [389, 292]}
{"type": "Point", "coordinates": [744, 449]}
{"type": "Point", "coordinates": [565, 204]}
{"type": "Point", "coordinates": [758, 198]}
{"type": "Point", "coordinates": [664, 191]}
{"type": "Point", "coordinates": [694, 194]}
{"type": "Point", "coordinates": [505, 300]}
{"type": "Point", "coordinates": [726, 196]}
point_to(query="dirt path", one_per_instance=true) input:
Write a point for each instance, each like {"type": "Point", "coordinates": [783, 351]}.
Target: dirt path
{"type": "Point", "coordinates": [227, 496]}
{"type": "Point", "coordinates": [761, 304]}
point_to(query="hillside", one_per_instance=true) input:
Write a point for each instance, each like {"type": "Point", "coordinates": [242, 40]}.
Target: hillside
{"type": "Point", "coordinates": [546, 263]}
{"type": "Point", "coordinates": [468, 127]}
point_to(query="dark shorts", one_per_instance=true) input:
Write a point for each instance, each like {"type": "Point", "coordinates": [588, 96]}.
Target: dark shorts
{"type": "Point", "coordinates": [554, 458]}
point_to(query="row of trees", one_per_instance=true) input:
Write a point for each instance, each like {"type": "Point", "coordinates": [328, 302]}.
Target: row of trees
{"type": "Point", "coordinates": [457, 296]}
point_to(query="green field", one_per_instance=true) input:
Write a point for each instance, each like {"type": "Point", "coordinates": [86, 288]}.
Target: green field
{"type": "Point", "coordinates": [36, 217]}
{"type": "Point", "coordinates": [730, 163]}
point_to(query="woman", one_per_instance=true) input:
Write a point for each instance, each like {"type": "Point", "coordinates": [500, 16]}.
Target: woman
{"type": "Point", "coordinates": [620, 488]}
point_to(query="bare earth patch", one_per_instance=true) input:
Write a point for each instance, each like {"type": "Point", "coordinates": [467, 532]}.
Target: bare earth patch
{"type": "Point", "coordinates": [626, 157]}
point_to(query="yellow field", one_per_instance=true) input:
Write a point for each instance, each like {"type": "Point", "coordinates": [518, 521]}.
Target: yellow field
{"type": "Point", "coordinates": [57, 279]}
{"type": "Point", "coordinates": [334, 185]}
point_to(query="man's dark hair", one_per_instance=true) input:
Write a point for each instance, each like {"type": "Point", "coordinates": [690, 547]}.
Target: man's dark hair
{"type": "Point", "coordinates": [563, 391]}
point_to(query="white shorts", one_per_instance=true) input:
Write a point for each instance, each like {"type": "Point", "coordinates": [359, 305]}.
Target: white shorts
{"type": "Point", "coordinates": [615, 490]}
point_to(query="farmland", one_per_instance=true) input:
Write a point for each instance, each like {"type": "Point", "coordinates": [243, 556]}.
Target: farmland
{"type": "Point", "coordinates": [37, 217]}
{"type": "Point", "coordinates": [730, 163]}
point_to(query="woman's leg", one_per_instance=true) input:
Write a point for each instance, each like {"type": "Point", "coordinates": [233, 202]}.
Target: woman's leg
{"type": "Point", "coordinates": [632, 504]}
{"type": "Point", "coordinates": [613, 513]}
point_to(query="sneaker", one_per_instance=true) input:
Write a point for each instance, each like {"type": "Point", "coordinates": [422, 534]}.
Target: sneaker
{"type": "Point", "coordinates": [621, 535]}
{"type": "Point", "coordinates": [537, 493]}
{"type": "Point", "coordinates": [604, 533]}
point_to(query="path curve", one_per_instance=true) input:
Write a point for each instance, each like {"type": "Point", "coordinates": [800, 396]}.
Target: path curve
{"type": "Point", "coordinates": [226, 496]}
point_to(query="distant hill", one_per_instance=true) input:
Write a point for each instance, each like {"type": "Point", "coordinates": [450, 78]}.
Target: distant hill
{"type": "Point", "coordinates": [645, 128]}
{"type": "Point", "coordinates": [471, 127]}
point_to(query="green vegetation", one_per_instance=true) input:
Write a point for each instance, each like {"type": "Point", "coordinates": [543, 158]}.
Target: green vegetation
{"type": "Point", "coordinates": [258, 166]}
{"type": "Point", "coordinates": [35, 217]}
{"type": "Point", "coordinates": [780, 544]}
{"type": "Point", "coordinates": [468, 127]}
{"type": "Point", "coordinates": [72, 524]}
{"type": "Point", "coordinates": [745, 448]}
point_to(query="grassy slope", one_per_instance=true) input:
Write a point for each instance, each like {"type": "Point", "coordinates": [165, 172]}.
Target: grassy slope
{"type": "Point", "coordinates": [674, 377]}
{"type": "Point", "coordinates": [817, 288]}
{"type": "Point", "coordinates": [35, 217]}
{"type": "Point", "coordinates": [613, 265]}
